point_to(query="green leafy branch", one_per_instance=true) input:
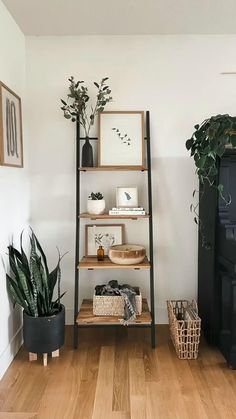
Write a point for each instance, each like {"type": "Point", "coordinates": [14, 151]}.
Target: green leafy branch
{"type": "Point", "coordinates": [76, 105]}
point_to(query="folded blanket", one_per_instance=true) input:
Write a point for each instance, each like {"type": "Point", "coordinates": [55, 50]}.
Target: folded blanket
{"type": "Point", "coordinates": [127, 292]}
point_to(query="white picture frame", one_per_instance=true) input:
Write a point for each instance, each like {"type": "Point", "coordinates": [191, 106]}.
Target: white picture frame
{"type": "Point", "coordinates": [104, 235]}
{"type": "Point", "coordinates": [126, 197]}
{"type": "Point", "coordinates": [121, 139]}
{"type": "Point", "coordinates": [11, 139]}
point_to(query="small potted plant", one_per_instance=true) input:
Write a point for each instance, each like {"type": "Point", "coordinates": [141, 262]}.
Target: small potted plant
{"type": "Point", "coordinates": [96, 203]}
{"type": "Point", "coordinates": [76, 109]}
{"type": "Point", "coordinates": [31, 285]}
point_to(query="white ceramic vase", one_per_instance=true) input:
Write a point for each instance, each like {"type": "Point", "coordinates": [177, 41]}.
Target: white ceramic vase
{"type": "Point", "coordinates": [96, 206]}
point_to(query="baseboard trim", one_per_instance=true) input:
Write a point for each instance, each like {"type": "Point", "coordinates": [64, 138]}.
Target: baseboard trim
{"type": "Point", "coordinates": [9, 353]}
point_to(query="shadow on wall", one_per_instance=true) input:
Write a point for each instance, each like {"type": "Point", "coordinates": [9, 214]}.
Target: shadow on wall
{"type": "Point", "coordinates": [15, 332]}
{"type": "Point", "coordinates": [175, 234]}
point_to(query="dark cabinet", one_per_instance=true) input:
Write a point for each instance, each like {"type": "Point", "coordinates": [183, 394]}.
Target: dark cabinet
{"type": "Point", "coordinates": [217, 261]}
{"type": "Point", "coordinates": [227, 337]}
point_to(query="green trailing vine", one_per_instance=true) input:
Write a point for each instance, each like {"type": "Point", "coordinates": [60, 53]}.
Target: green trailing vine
{"type": "Point", "coordinates": [207, 146]}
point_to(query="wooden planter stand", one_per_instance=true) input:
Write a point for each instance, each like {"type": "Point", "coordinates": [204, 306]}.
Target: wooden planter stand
{"type": "Point", "coordinates": [34, 357]}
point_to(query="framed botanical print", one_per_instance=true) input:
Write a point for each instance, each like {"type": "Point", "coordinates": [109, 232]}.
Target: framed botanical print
{"type": "Point", "coordinates": [11, 141]}
{"type": "Point", "coordinates": [121, 139]}
{"type": "Point", "coordinates": [127, 197]}
{"type": "Point", "coordinates": [104, 235]}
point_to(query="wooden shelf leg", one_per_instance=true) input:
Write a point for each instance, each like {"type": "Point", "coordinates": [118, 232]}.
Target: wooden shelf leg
{"type": "Point", "coordinates": [32, 356]}
{"type": "Point", "coordinates": [55, 354]}
{"type": "Point", "coordinates": [45, 360]}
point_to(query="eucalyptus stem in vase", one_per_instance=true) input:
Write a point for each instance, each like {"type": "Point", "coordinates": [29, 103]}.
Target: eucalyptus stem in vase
{"type": "Point", "coordinates": [76, 109]}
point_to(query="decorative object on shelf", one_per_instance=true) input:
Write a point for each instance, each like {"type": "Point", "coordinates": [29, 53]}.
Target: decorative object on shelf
{"type": "Point", "coordinates": [117, 300]}
{"type": "Point", "coordinates": [127, 254]}
{"type": "Point", "coordinates": [207, 146]}
{"type": "Point", "coordinates": [126, 197]}
{"type": "Point", "coordinates": [11, 141]}
{"type": "Point", "coordinates": [185, 327]}
{"type": "Point", "coordinates": [104, 235]}
{"type": "Point", "coordinates": [77, 110]}
{"type": "Point", "coordinates": [127, 211]}
{"type": "Point", "coordinates": [31, 286]}
{"type": "Point", "coordinates": [123, 133]}
{"type": "Point", "coordinates": [96, 203]}
{"type": "Point", "coordinates": [87, 154]}
{"type": "Point", "coordinates": [100, 254]}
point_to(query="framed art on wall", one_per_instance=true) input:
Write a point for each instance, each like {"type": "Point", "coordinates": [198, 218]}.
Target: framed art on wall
{"type": "Point", "coordinates": [126, 197]}
{"type": "Point", "coordinates": [104, 235]}
{"type": "Point", "coordinates": [11, 142]}
{"type": "Point", "coordinates": [121, 139]}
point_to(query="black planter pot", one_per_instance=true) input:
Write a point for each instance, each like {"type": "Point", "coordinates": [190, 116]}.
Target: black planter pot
{"type": "Point", "coordinates": [44, 334]}
{"type": "Point", "coordinates": [87, 154]}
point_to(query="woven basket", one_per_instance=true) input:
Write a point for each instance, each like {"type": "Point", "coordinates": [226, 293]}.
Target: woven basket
{"type": "Point", "coordinates": [106, 305]}
{"type": "Point", "coordinates": [185, 334]}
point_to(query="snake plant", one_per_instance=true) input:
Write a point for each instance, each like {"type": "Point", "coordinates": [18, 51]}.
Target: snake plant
{"type": "Point", "coordinates": [30, 284]}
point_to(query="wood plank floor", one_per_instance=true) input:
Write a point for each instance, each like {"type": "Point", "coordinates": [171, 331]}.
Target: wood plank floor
{"type": "Point", "coordinates": [116, 375]}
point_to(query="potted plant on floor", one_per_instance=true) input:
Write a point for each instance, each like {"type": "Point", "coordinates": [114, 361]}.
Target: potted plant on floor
{"type": "Point", "coordinates": [31, 285]}
{"type": "Point", "coordinates": [76, 109]}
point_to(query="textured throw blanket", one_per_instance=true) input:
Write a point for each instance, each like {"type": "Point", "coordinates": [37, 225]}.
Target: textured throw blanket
{"type": "Point", "coordinates": [126, 291]}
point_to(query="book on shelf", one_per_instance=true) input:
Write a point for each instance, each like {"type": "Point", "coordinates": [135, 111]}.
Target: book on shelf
{"type": "Point", "coordinates": [127, 212]}
{"type": "Point", "coordinates": [127, 209]}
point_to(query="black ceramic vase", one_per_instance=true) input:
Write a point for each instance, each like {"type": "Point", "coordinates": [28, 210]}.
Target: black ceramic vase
{"type": "Point", "coordinates": [87, 154]}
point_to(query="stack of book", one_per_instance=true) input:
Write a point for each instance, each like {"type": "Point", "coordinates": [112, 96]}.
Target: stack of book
{"type": "Point", "coordinates": [127, 211]}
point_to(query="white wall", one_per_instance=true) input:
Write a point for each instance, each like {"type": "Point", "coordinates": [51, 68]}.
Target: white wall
{"type": "Point", "coordinates": [178, 79]}
{"type": "Point", "coordinates": [14, 185]}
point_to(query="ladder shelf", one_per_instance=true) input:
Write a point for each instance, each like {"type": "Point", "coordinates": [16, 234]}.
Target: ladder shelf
{"type": "Point", "coordinates": [84, 317]}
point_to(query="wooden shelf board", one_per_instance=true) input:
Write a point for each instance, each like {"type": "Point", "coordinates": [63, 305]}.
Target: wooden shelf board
{"type": "Point", "coordinates": [86, 317]}
{"type": "Point", "coordinates": [114, 217]}
{"type": "Point", "coordinates": [113, 168]}
{"type": "Point", "coordinates": [91, 262]}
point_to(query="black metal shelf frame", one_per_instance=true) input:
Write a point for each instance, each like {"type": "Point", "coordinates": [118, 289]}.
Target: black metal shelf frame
{"type": "Point", "coordinates": [77, 239]}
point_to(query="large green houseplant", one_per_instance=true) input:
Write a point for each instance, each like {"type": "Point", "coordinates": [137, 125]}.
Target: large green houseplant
{"type": "Point", "coordinates": [207, 145]}
{"type": "Point", "coordinates": [31, 285]}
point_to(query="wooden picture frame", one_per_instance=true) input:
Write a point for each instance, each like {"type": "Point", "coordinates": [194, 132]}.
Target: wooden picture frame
{"type": "Point", "coordinates": [126, 197]}
{"type": "Point", "coordinates": [11, 137]}
{"type": "Point", "coordinates": [121, 139]}
{"type": "Point", "coordinates": [92, 242]}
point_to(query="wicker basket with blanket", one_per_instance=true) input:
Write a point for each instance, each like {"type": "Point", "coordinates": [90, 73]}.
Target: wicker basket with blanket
{"type": "Point", "coordinates": [115, 300]}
